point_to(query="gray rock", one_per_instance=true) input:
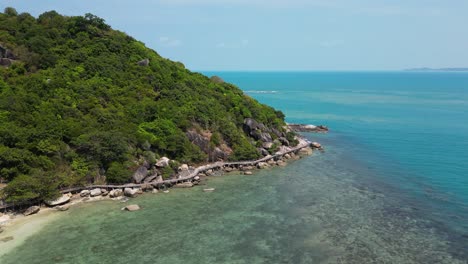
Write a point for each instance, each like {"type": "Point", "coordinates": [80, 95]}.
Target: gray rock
{"type": "Point", "coordinates": [218, 154]}
{"type": "Point", "coordinates": [305, 151]}
{"type": "Point", "coordinates": [132, 207]}
{"type": "Point", "coordinates": [115, 193]}
{"type": "Point", "coordinates": [263, 152]}
{"type": "Point", "coordinates": [104, 192]}
{"type": "Point", "coordinates": [262, 136]}
{"type": "Point", "coordinates": [284, 141]}
{"type": "Point", "coordinates": [32, 210]}
{"type": "Point", "coordinates": [144, 62]}
{"type": "Point", "coordinates": [316, 145]}
{"type": "Point", "coordinates": [147, 187]}
{"type": "Point", "coordinates": [84, 193]}
{"type": "Point", "coordinates": [267, 145]}
{"type": "Point", "coordinates": [262, 165]}
{"type": "Point", "coordinates": [209, 190]}
{"type": "Point", "coordinates": [95, 192]}
{"type": "Point", "coordinates": [5, 62]}
{"type": "Point", "coordinates": [61, 200]}
{"type": "Point", "coordinates": [150, 178]}
{"type": "Point", "coordinates": [281, 163]}
{"type": "Point", "coordinates": [129, 192]}
{"type": "Point", "coordinates": [251, 125]}
{"type": "Point", "coordinates": [248, 173]}
{"type": "Point", "coordinates": [184, 167]}
{"type": "Point", "coordinates": [162, 162]}
{"type": "Point", "coordinates": [199, 140]}
{"type": "Point", "coordinates": [140, 174]}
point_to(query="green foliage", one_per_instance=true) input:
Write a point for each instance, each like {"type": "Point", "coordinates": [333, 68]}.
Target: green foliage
{"type": "Point", "coordinates": [40, 186]}
{"type": "Point", "coordinates": [76, 102]}
{"type": "Point", "coordinates": [118, 173]}
{"type": "Point", "coordinates": [291, 137]}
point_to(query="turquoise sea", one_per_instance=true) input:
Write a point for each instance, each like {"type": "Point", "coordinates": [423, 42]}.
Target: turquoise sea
{"type": "Point", "coordinates": [391, 187]}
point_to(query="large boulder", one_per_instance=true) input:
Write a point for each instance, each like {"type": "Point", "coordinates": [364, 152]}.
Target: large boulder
{"type": "Point", "coordinates": [218, 154]}
{"type": "Point", "coordinates": [115, 193]}
{"type": "Point", "coordinates": [150, 178]}
{"type": "Point", "coordinates": [251, 125]}
{"type": "Point", "coordinates": [95, 192]}
{"type": "Point", "coordinates": [32, 210]}
{"type": "Point", "coordinates": [316, 145]}
{"type": "Point", "coordinates": [184, 167]}
{"type": "Point", "coordinates": [140, 174]}
{"type": "Point", "coordinates": [263, 152]}
{"type": "Point", "coordinates": [84, 193]}
{"type": "Point", "coordinates": [5, 62]}
{"type": "Point", "coordinates": [262, 136]}
{"type": "Point", "coordinates": [61, 200]}
{"type": "Point", "coordinates": [147, 187]}
{"type": "Point", "coordinates": [284, 141]}
{"type": "Point", "coordinates": [199, 140]}
{"type": "Point", "coordinates": [130, 192]}
{"type": "Point", "coordinates": [267, 145]}
{"type": "Point", "coordinates": [162, 162]}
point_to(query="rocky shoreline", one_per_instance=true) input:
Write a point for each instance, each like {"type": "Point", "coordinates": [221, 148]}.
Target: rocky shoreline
{"type": "Point", "coordinates": [187, 178]}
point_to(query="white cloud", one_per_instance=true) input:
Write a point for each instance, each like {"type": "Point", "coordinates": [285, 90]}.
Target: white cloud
{"type": "Point", "coordinates": [168, 42]}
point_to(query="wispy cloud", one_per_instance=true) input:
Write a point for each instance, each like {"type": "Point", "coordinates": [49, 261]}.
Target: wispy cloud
{"type": "Point", "coordinates": [169, 42]}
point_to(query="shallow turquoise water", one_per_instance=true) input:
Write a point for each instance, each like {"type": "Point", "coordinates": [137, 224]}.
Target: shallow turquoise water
{"type": "Point", "coordinates": [390, 188]}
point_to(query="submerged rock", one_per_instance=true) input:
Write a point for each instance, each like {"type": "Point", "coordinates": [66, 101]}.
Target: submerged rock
{"type": "Point", "coordinates": [209, 190]}
{"type": "Point", "coordinates": [132, 207]}
{"type": "Point", "coordinates": [32, 210]}
{"type": "Point", "coordinates": [62, 208]}
{"type": "Point", "coordinates": [248, 173]}
{"type": "Point", "coordinates": [6, 239]}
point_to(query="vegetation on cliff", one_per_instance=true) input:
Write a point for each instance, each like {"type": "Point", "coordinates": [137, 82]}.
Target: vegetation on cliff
{"type": "Point", "coordinates": [81, 102]}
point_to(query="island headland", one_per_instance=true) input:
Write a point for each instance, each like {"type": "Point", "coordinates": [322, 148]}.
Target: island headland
{"type": "Point", "coordinates": [89, 112]}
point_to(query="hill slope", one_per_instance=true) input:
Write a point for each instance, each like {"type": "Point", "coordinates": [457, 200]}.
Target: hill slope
{"type": "Point", "coordinates": [81, 102]}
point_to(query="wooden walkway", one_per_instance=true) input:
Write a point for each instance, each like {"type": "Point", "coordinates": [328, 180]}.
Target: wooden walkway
{"type": "Point", "coordinates": [191, 176]}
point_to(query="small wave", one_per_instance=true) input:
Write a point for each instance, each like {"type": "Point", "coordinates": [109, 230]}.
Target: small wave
{"type": "Point", "coordinates": [261, 92]}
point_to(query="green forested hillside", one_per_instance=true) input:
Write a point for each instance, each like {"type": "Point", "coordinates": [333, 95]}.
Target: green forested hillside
{"type": "Point", "coordinates": [81, 102]}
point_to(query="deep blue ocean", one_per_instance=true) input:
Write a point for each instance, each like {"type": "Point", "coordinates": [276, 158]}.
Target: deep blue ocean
{"type": "Point", "coordinates": [391, 186]}
{"type": "Point", "coordinates": [408, 131]}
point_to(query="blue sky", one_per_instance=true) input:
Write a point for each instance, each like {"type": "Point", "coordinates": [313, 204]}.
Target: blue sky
{"type": "Point", "coordinates": [286, 34]}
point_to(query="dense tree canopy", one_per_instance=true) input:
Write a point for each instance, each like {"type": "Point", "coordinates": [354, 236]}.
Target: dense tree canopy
{"type": "Point", "coordinates": [75, 104]}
